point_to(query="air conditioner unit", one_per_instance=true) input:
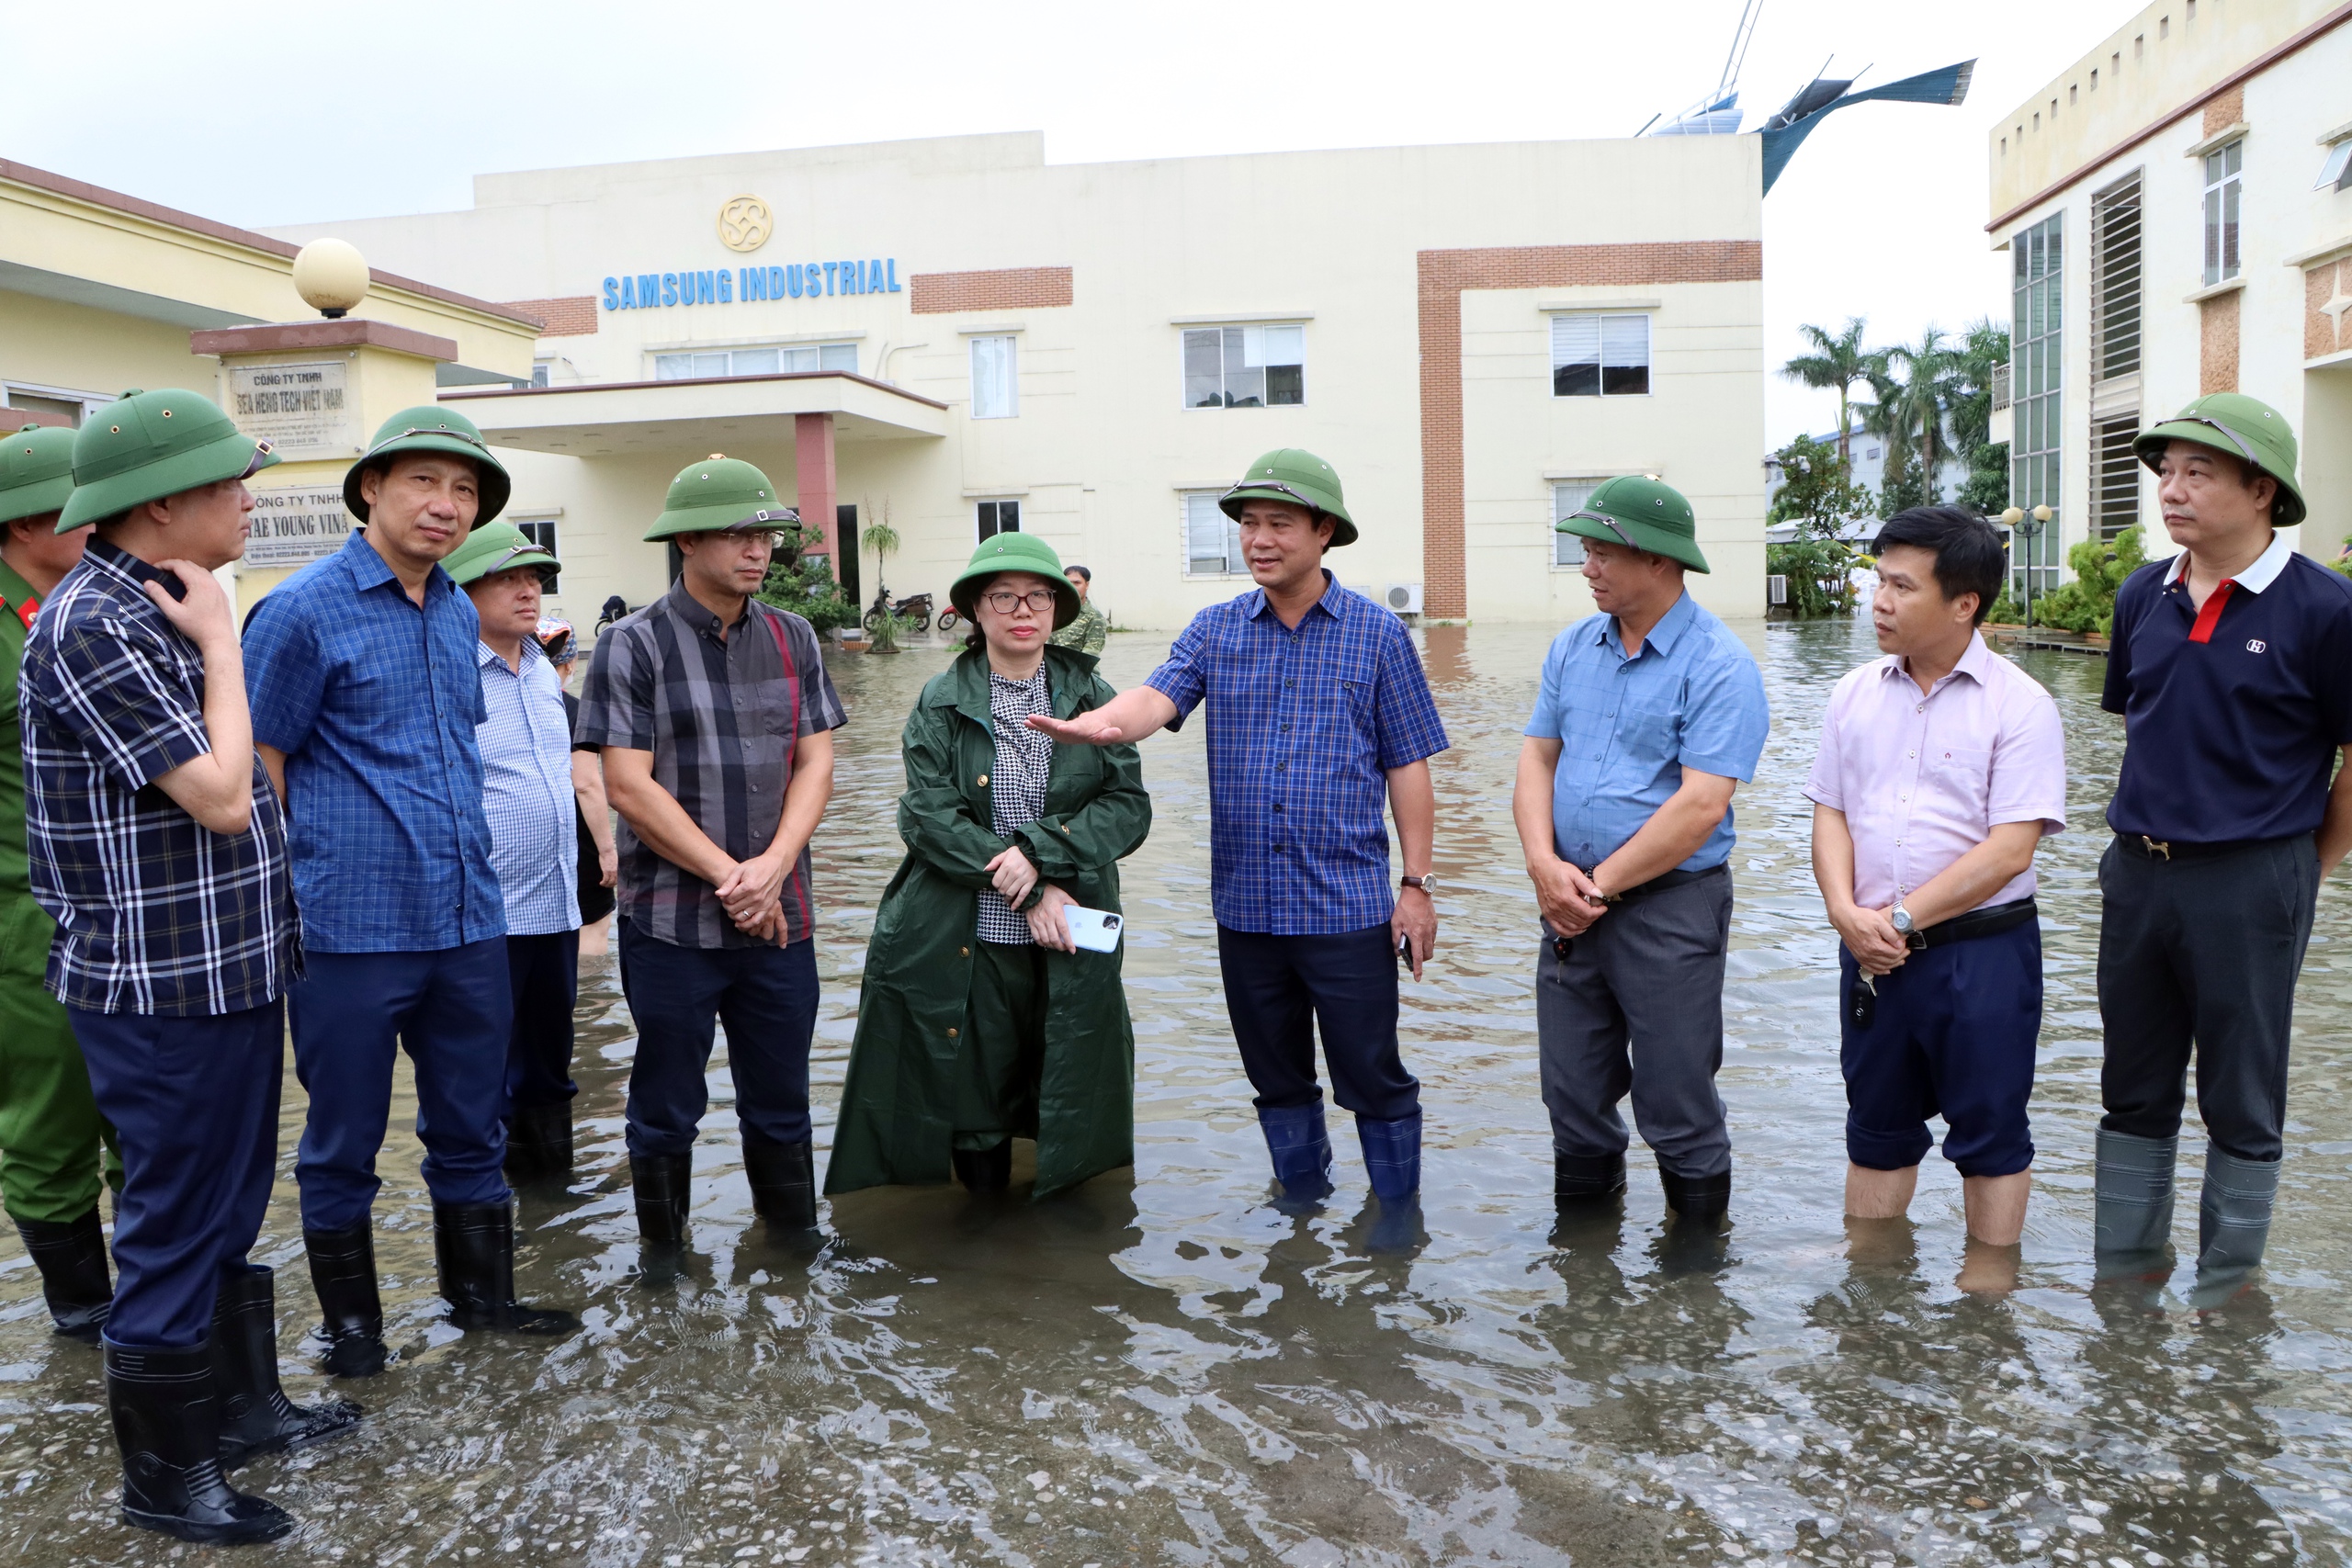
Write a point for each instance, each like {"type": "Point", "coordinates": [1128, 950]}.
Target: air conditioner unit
{"type": "Point", "coordinates": [1776, 589]}
{"type": "Point", "coordinates": [1405, 598]}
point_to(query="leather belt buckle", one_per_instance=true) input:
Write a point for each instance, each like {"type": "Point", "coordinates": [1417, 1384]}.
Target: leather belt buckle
{"type": "Point", "coordinates": [2157, 847]}
{"type": "Point", "coordinates": [1916, 941]}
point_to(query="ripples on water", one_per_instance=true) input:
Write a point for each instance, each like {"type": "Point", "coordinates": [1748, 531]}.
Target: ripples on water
{"type": "Point", "coordinates": [1168, 1369]}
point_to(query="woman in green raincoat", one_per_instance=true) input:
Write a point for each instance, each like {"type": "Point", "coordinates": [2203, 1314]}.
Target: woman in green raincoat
{"type": "Point", "coordinates": [979, 1020]}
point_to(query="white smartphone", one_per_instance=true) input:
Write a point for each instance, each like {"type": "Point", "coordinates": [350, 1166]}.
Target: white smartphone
{"type": "Point", "coordinates": [1096, 930]}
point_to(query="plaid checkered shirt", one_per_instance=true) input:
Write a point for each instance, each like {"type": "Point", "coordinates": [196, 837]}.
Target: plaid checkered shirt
{"type": "Point", "coordinates": [722, 716]}
{"type": "Point", "coordinates": [375, 701]}
{"type": "Point", "coordinates": [156, 914]}
{"type": "Point", "coordinates": [1304, 724]}
{"type": "Point", "coordinates": [526, 791]}
{"type": "Point", "coordinates": [1024, 758]}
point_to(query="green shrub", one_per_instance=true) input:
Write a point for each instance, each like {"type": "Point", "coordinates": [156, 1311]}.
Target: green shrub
{"type": "Point", "coordinates": [2087, 604]}
{"type": "Point", "coordinates": [804, 584]}
{"type": "Point", "coordinates": [1819, 576]}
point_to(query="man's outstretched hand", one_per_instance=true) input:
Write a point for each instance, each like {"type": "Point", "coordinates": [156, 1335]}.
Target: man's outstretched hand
{"type": "Point", "coordinates": [1130, 715]}
{"type": "Point", "coordinates": [1086, 729]}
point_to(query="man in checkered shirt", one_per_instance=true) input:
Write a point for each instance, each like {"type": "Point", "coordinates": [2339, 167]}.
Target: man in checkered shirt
{"type": "Point", "coordinates": [159, 850]}
{"type": "Point", "coordinates": [715, 716]}
{"type": "Point", "coordinates": [1318, 715]}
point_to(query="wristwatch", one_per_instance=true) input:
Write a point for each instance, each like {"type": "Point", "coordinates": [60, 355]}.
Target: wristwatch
{"type": "Point", "coordinates": [1425, 884]}
{"type": "Point", "coordinates": [1900, 919]}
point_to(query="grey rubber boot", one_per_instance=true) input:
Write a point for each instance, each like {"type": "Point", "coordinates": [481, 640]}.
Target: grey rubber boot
{"type": "Point", "coordinates": [2134, 1205]}
{"type": "Point", "coordinates": [2233, 1214]}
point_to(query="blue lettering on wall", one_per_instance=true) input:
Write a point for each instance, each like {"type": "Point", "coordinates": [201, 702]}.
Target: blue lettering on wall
{"type": "Point", "coordinates": [724, 286]}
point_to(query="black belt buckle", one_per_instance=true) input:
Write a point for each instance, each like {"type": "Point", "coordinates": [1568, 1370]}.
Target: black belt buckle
{"type": "Point", "coordinates": [1861, 1004]}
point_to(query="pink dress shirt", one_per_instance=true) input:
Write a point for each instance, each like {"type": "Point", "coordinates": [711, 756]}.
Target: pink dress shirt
{"type": "Point", "coordinates": [1924, 778]}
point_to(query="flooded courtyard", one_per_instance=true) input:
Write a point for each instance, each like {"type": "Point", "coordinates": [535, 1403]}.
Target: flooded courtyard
{"type": "Point", "coordinates": [1166, 1368]}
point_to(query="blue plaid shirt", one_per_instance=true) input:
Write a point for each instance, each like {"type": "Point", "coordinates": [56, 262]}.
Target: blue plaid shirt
{"type": "Point", "coordinates": [375, 702]}
{"type": "Point", "coordinates": [527, 794]}
{"type": "Point", "coordinates": [1628, 727]}
{"type": "Point", "coordinates": [1303, 725]}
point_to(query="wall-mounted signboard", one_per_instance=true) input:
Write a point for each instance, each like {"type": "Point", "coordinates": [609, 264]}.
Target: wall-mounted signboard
{"type": "Point", "coordinates": [305, 409]}
{"type": "Point", "coordinates": [296, 525]}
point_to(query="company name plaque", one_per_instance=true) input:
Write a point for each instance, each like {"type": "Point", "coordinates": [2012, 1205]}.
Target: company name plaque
{"type": "Point", "coordinates": [295, 526]}
{"type": "Point", "coordinates": [305, 409]}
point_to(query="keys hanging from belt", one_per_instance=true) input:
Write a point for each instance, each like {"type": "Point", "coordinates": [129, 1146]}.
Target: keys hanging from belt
{"type": "Point", "coordinates": [1861, 1004]}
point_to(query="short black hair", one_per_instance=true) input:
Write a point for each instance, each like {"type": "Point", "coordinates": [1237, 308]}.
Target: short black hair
{"type": "Point", "coordinates": [1968, 550]}
{"type": "Point", "coordinates": [1080, 570]}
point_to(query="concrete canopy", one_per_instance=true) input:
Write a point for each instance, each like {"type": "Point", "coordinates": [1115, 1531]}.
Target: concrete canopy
{"type": "Point", "coordinates": [607, 418]}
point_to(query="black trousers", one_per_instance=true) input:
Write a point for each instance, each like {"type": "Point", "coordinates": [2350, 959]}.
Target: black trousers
{"type": "Point", "coordinates": [545, 975]}
{"type": "Point", "coordinates": [2202, 955]}
{"type": "Point", "coordinates": [1278, 990]}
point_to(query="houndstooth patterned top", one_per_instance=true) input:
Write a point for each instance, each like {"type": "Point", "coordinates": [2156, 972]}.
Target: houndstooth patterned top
{"type": "Point", "coordinates": [1017, 789]}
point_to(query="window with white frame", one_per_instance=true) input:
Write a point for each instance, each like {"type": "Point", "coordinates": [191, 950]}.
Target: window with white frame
{"type": "Point", "coordinates": [998, 517]}
{"type": "Point", "coordinates": [1569, 496]}
{"type": "Point", "coordinates": [66, 402]}
{"type": "Point", "coordinates": [996, 381]}
{"type": "Point", "coordinates": [1600, 356]}
{"type": "Point", "coordinates": [2221, 190]}
{"type": "Point", "coordinates": [540, 371]}
{"type": "Point", "coordinates": [1212, 540]}
{"type": "Point", "coordinates": [1244, 367]}
{"type": "Point", "coordinates": [779, 360]}
{"type": "Point", "coordinates": [540, 530]}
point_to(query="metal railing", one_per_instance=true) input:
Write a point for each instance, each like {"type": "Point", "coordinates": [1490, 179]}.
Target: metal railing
{"type": "Point", "coordinates": [2000, 388]}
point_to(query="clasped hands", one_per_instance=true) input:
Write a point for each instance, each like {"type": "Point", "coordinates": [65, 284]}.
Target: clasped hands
{"type": "Point", "coordinates": [1013, 875]}
{"type": "Point", "coordinates": [1870, 935]}
{"type": "Point", "coordinates": [753, 895]}
{"type": "Point", "coordinates": [1569, 899]}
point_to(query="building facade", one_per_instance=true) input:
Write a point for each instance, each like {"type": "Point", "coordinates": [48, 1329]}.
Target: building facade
{"type": "Point", "coordinates": [953, 337]}
{"type": "Point", "coordinates": [2178, 216]}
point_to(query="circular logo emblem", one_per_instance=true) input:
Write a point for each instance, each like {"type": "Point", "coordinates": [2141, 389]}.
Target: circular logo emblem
{"type": "Point", "coordinates": [745, 223]}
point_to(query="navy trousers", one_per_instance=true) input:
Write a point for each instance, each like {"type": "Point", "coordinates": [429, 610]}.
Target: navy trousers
{"type": "Point", "coordinates": [451, 1011]}
{"type": "Point", "coordinates": [195, 1100]}
{"type": "Point", "coordinates": [767, 998]}
{"type": "Point", "coordinates": [1953, 1036]}
{"type": "Point", "coordinates": [544, 973]}
{"type": "Point", "coordinates": [1279, 990]}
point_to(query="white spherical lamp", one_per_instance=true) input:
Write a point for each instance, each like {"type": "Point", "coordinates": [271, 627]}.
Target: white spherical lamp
{"type": "Point", "coordinates": [331, 275]}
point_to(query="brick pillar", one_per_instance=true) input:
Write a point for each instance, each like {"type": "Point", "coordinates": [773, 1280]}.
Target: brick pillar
{"type": "Point", "coordinates": [813, 467]}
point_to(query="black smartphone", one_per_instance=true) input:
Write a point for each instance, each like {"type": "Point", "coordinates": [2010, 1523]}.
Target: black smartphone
{"type": "Point", "coordinates": [1405, 953]}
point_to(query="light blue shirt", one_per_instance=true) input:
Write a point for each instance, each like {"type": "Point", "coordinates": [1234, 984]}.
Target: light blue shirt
{"type": "Point", "coordinates": [526, 791]}
{"type": "Point", "coordinates": [1627, 727]}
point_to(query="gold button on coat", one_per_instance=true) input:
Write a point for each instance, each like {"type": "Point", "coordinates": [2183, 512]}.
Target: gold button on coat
{"type": "Point", "coordinates": [984, 780]}
{"type": "Point", "coordinates": [951, 1031]}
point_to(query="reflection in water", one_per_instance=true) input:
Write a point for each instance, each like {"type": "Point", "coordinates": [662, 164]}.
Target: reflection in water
{"type": "Point", "coordinates": [1166, 1367]}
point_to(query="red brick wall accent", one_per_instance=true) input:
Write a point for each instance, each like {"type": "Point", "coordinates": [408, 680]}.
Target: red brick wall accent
{"type": "Point", "coordinates": [2224, 110]}
{"type": "Point", "coordinates": [1444, 275]}
{"type": "Point", "coordinates": [575, 315]}
{"type": "Point", "coordinates": [1012, 288]}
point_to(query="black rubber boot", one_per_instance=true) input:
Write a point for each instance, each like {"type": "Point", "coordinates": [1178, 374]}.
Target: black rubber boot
{"type": "Point", "coordinates": [784, 1180]}
{"type": "Point", "coordinates": [984, 1171]}
{"type": "Point", "coordinates": [538, 1142]}
{"type": "Point", "coordinates": [1583, 1179]}
{"type": "Point", "coordinates": [343, 1273]}
{"type": "Point", "coordinates": [167, 1423]}
{"type": "Point", "coordinates": [661, 1184]}
{"type": "Point", "coordinates": [72, 1257]}
{"type": "Point", "coordinates": [473, 1244]}
{"type": "Point", "coordinates": [256, 1416]}
{"type": "Point", "coordinates": [1696, 1198]}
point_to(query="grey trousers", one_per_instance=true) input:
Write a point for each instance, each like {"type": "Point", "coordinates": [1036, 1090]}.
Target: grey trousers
{"type": "Point", "coordinates": [1639, 1007]}
{"type": "Point", "coordinates": [2202, 952]}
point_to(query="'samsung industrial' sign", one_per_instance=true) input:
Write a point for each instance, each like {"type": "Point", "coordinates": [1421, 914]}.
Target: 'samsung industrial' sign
{"type": "Point", "coordinates": [729, 286]}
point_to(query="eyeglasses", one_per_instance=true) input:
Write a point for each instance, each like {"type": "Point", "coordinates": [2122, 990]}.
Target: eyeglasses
{"type": "Point", "coordinates": [749, 536]}
{"type": "Point", "coordinates": [1004, 600]}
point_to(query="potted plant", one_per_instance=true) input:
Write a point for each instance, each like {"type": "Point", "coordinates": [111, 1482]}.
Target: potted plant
{"type": "Point", "coordinates": [884, 541]}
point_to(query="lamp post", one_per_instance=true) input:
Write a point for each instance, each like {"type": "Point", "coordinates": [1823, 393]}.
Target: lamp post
{"type": "Point", "coordinates": [2026, 526]}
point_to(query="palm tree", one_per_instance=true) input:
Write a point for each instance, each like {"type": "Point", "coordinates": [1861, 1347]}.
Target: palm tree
{"type": "Point", "coordinates": [1837, 362]}
{"type": "Point", "coordinates": [1914, 385]}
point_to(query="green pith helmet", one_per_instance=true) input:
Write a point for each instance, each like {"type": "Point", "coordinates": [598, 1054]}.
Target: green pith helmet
{"type": "Point", "coordinates": [1300, 478]}
{"type": "Point", "coordinates": [494, 549]}
{"type": "Point", "coordinates": [152, 444]}
{"type": "Point", "coordinates": [1014, 552]}
{"type": "Point", "coordinates": [35, 472]}
{"type": "Point", "coordinates": [430, 429]}
{"type": "Point", "coordinates": [2243, 427]}
{"type": "Point", "coordinates": [717, 494]}
{"type": "Point", "coordinates": [1641, 511]}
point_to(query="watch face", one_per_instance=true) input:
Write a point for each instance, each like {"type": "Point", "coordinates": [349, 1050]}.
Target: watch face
{"type": "Point", "coordinates": [1901, 920]}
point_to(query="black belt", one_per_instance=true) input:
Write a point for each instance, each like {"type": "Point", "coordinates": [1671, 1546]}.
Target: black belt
{"type": "Point", "coordinates": [2173, 849]}
{"type": "Point", "coordinates": [1667, 880]}
{"type": "Point", "coordinates": [1990, 921]}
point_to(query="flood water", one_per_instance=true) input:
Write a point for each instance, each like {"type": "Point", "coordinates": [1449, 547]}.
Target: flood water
{"type": "Point", "coordinates": [1165, 1367]}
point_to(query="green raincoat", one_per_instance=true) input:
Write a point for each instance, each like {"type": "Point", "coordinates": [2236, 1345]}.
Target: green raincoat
{"type": "Point", "coordinates": [899, 1104]}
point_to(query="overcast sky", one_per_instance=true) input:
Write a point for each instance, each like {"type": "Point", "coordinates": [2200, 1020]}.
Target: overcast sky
{"type": "Point", "coordinates": [257, 115]}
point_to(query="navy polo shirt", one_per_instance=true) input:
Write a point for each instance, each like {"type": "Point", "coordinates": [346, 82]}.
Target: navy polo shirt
{"type": "Point", "coordinates": [2233, 736]}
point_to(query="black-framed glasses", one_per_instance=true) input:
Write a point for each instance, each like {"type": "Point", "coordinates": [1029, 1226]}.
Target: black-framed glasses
{"type": "Point", "coordinates": [1004, 600]}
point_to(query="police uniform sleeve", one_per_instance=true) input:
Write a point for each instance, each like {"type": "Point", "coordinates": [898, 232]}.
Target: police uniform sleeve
{"type": "Point", "coordinates": [286, 675]}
